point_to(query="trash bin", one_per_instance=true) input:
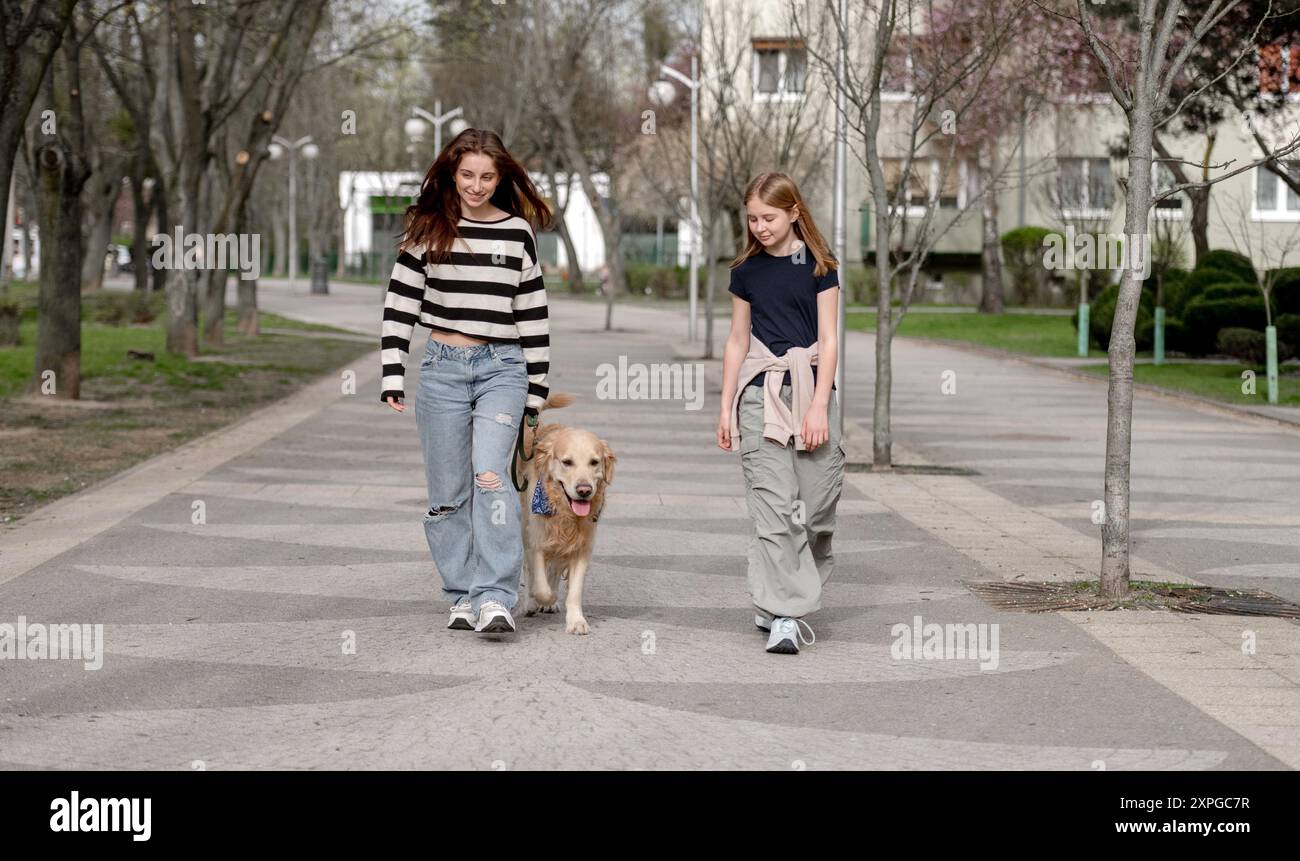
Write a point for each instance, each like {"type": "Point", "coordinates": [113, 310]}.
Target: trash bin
{"type": "Point", "coordinates": [320, 275]}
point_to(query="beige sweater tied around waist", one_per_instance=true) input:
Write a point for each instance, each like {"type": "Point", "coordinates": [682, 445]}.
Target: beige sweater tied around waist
{"type": "Point", "coordinates": [779, 421]}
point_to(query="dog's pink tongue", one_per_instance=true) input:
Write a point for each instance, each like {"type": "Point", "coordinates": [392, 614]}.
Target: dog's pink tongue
{"type": "Point", "coordinates": [581, 507]}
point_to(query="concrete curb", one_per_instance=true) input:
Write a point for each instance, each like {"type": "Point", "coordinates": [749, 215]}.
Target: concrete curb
{"type": "Point", "coordinates": [1182, 398]}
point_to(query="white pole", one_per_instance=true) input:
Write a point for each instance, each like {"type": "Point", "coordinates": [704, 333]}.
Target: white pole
{"type": "Point", "coordinates": [695, 198]}
{"type": "Point", "coordinates": [437, 127]}
{"type": "Point", "coordinates": [293, 221]}
{"type": "Point", "coordinates": [838, 216]}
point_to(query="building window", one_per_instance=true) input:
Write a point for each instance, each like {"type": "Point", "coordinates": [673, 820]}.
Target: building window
{"type": "Point", "coordinates": [1274, 199]}
{"type": "Point", "coordinates": [928, 181]}
{"type": "Point", "coordinates": [780, 69]}
{"type": "Point", "coordinates": [1084, 188]}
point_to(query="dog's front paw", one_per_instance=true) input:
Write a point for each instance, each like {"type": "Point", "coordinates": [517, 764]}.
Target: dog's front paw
{"type": "Point", "coordinates": [549, 608]}
{"type": "Point", "coordinates": [576, 625]}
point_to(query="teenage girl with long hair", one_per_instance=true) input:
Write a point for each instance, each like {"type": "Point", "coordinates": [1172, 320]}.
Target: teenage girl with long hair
{"type": "Point", "coordinates": [778, 396]}
{"type": "Point", "coordinates": [467, 268]}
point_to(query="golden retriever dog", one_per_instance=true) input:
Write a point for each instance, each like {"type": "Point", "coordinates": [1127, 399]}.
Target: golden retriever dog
{"type": "Point", "coordinates": [562, 501]}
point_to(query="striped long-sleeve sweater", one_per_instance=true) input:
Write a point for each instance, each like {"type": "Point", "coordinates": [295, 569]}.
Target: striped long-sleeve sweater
{"type": "Point", "coordinates": [491, 288]}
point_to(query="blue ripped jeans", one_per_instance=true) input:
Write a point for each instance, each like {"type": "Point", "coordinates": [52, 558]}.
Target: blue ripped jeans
{"type": "Point", "coordinates": [470, 403]}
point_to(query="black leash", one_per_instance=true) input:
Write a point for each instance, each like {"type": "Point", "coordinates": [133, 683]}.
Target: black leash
{"type": "Point", "coordinates": [519, 454]}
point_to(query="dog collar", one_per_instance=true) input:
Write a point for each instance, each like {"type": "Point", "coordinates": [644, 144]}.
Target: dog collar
{"type": "Point", "coordinates": [541, 504]}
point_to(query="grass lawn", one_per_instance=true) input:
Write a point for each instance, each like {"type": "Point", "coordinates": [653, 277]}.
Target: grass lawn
{"type": "Point", "coordinates": [134, 409]}
{"type": "Point", "coordinates": [1218, 382]}
{"type": "Point", "coordinates": [1032, 334]}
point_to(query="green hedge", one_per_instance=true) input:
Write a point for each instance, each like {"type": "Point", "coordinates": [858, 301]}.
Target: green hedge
{"type": "Point", "coordinates": [1101, 317]}
{"type": "Point", "coordinates": [1022, 252]}
{"type": "Point", "coordinates": [662, 281]}
{"type": "Point", "coordinates": [1204, 317]}
{"type": "Point", "coordinates": [1286, 291]}
{"type": "Point", "coordinates": [1288, 331]}
{"type": "Point", "coordinates": [1228, 261]}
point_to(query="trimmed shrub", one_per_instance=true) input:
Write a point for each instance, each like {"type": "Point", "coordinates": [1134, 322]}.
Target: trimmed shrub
{"type": "Point", "coordinates": [1286, 291]}
{"type": "Point", "coordinates": [1101, 316]}
{"type": "Point", "coordinates": [1230, 290]}
{"type": "Point", "coordinates": [1228, 261]}
{"type": "Point", "coordinates": [1288, 332]}
{"type": "Point", "coordinates": [1174, 280]}
{"type": "Point", "coordinates": [1244, 344]}
{"type": "Point", "coordinates": [1022, 252]}
{"type": "Point", "coordinates": [1175, 335]}
{"type": "Point", "coordinates": [117, 308]}
{"type": "Point", "coordinates": [662, 281]}
{"type": "Point", "coordinates": [1193, 285]}
{"type": "Point", "coordinates": [1205, 317]}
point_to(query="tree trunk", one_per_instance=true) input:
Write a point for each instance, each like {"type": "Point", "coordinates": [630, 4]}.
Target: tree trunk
{"type": "Point", "coordinates": [1200, 221]}
{"type": "Point", "coordinates": [139, 230]}
{"type": "Point", "coordinates": [101, 202]}
{"type": "Point", "coordinates": [28, 42]}
{"type": "Point", "coordinates": [1119, 399]}
{"type": "Point", "coordinates": [246, 291]}
{"type": "Point", "coordinates": [58, 332]}
{"type": "Point", "coordinates": [574, 275]}
{"type": "Point", "coordinates": [992, 290]}
{"type": "Point", "coordinates": [214, 306]}
{"type": "Point", "coordinates": [162, 213]}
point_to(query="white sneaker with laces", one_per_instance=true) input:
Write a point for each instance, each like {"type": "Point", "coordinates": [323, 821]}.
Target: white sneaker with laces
{"type": "Point", "coordinates": [462, 616]}
{"type": "Point", "coordinates": [494, 618]}
{"type": "Point", "coordinates": [786, 634]}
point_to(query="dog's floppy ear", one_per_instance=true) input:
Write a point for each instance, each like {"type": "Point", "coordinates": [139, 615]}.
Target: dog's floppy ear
{"type": "Point", "coordinates": [607, 455]}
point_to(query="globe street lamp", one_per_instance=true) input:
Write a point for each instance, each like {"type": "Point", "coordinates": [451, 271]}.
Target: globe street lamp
{"type": "Point", "coordinates": [418, 124]}
{"type": "Point", "coordinates": [277, 149]}
{"type": "Point", "coordinates": [661, 94]}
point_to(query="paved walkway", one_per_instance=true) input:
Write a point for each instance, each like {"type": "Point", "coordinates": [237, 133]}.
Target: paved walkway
{"type": "Point", "coordinates": [226, 635]}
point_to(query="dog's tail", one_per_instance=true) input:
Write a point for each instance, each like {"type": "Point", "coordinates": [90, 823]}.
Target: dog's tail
{"type": "Point", "coordinates": [558, 400]}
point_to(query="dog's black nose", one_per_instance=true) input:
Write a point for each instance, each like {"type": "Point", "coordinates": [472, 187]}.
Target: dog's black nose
{"type": "Point", "coordinates": [584, 490]}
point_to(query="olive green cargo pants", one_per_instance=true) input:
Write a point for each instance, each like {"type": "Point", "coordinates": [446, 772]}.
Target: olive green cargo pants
{"type": "Point", "coordinates": [792, 497]}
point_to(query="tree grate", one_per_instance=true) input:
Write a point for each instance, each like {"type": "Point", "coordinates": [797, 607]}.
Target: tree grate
{"type": "Point", "coordinates": [1143, 595]}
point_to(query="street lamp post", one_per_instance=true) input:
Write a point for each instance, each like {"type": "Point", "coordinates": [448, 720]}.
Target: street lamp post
{"type": "Point", "coordinates": [280, 147]}
{"type": "Point", "coordinates": [840, 196]}
{"type": "Point", "coordinates": [420, 118]}
{"type": "Point", "coordinates": [661, 94]}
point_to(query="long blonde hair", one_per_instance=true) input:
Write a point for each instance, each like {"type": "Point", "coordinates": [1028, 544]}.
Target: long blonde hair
{"type": "Point", "coordinates": [778, 190]}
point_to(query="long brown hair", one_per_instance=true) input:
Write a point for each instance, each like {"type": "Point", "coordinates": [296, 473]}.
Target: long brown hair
{"type": "Point", "coordinates": [431, 221]}
{"type": "Point", "coordinates": [778, 190]}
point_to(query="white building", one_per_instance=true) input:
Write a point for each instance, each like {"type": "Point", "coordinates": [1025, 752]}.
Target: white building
{"type": "Point", "coordinates": [373, 203]}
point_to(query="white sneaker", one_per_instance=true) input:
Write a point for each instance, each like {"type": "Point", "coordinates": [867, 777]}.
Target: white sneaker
{"type": "Point", "coordinates": [762, 622]}
{"type": "Point", "coordinates": [786, 634]}
{"type": "Point", "coordinates": [462, 616]}
{"type": "Point", "coordinates": [494, 618]}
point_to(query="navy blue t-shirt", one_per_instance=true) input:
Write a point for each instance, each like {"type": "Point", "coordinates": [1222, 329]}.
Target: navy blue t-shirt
{"type": "Point", "coordinates": [782, 297]}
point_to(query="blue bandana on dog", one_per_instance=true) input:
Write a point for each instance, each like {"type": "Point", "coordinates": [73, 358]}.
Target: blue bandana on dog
{"type": "Point", "coordinates": [541, 504]}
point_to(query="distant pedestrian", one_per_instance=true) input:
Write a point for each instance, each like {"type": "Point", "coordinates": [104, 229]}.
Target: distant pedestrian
{"type": "Point", "coordinates": [778, 396]}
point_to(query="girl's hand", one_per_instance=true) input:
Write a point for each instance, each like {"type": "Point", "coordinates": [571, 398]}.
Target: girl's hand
{"type": "Point", "coordinates": [392, 402]}
{"type": "Point", "coordinates": [724, 432]}
{"type": "Point", "coordinates": [816, 429]}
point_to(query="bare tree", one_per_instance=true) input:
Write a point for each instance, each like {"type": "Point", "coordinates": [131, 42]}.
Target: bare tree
{"type": "Point", "coordinates": [30, 34]}
{"type": "Point", "coordinates": [739, 137]}
{"type": "Point", "coordinates": [1141, 81]}
{"type": "Point", "coordinates": [56, 156]}
{"type": "Point", "coordinates": [901, 41]}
